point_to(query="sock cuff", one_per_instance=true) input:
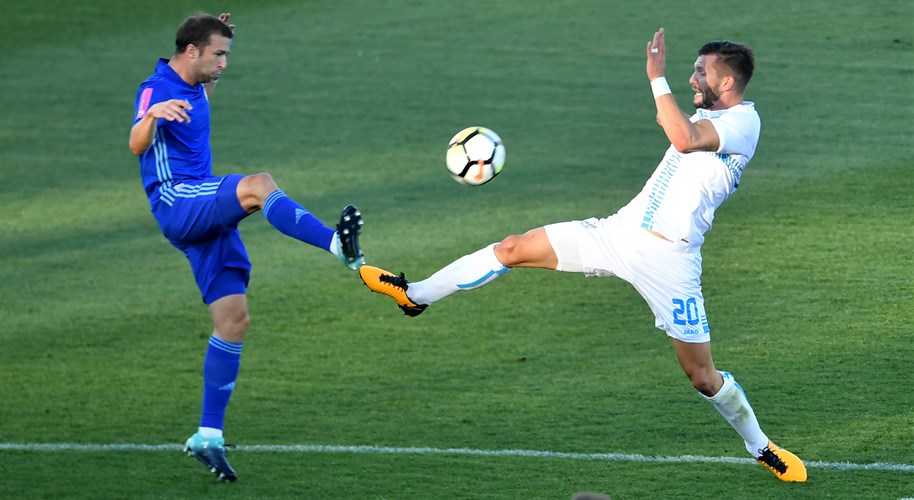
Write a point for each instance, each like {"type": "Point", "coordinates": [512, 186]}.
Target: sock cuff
{"type": "Point", "coordinates": [271, 199]}
{"type": "Point", "coordinates": [334, 244]}
{"type": "Point", "coordinates": [226, 346]}
{"type": "Point", "coordinates": [494, 263]}
{"type": "Point", "coordinates": [209, 432]}
{"type": "Point", "coordinates": [484, 262]}
{"type": "Point", "coordinates": [729, 384]}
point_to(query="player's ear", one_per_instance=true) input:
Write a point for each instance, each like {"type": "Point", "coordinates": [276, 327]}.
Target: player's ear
{"type": "Point", "coordinates": [727, 83]}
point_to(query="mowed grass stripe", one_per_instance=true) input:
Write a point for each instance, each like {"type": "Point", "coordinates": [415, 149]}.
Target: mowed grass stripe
{"type": "Point", "coordinates": [391, 450]}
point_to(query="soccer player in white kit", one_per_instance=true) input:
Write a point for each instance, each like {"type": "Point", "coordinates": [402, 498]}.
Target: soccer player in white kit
{"type": "Point", "coordinates": [654, 242]}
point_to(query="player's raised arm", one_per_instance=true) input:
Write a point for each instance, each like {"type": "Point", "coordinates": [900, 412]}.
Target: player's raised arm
{"type": "Point", "coordinates": [684, 135]}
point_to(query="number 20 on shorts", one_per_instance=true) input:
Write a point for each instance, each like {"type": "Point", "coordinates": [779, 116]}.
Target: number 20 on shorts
{"type": "Point", "coordinates": [687, 308]}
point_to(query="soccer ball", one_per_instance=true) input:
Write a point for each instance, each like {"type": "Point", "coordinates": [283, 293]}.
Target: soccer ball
{"type": "Point", "coordinates": [475, 156]}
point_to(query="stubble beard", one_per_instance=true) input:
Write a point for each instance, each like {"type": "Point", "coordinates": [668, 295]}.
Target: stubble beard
{"type": "Point", "coordinates": [708, 99]}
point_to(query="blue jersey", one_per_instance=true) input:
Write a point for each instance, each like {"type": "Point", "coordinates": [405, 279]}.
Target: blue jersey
{"type": "Point", "coordinates": [179, 151]}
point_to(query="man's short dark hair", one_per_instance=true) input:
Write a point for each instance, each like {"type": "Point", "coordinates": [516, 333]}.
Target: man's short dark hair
{"type": "Point", "coordinates": [196, 30]}
{"type": "Point", "coordinates": [738, 58]}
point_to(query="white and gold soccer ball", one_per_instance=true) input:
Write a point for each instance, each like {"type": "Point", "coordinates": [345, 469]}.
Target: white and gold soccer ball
{"type": "Point", "coordinates": [475, 156]}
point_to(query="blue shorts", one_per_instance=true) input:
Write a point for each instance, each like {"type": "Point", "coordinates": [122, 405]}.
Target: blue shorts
{"type": "Point", "coordinates": [200, 218]}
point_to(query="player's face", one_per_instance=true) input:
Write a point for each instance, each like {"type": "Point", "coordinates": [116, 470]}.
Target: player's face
{"type": "Point", "coordinates": [213, 59]}
{"type": "Point", "coordinates": [705, 82]}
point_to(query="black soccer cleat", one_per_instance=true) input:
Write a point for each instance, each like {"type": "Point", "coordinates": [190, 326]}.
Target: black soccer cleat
{"type": "Point", "coordinates": [347, 232]}
{"type": "Point", "coordinates": [413, 311]}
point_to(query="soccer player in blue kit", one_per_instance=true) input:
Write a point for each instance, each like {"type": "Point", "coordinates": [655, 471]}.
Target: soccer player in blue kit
{"type": "Point", "coordinates": [199, 213]}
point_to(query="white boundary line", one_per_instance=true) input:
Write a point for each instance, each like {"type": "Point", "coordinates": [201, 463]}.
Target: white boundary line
{"type": "Point", "coordinates": [387, 450]}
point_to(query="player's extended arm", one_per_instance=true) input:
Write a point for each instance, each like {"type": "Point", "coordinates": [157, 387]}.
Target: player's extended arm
{"type": "Point", "coordinates": [211, 86]}
{"type": "Point", "coordinates": [143, 131]}
{"type": "Point", "coordinates": [684, 135]}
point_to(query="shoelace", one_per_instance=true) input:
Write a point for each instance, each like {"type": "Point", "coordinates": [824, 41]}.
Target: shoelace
{"type": "Point", "coordinates": [396, 281]}
{"type": "Point", "coordinates": [771, 460]}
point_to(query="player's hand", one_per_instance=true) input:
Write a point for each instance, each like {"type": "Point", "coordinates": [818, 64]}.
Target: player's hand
{"type": "Point", "coordinates": [656, 56]}
{"type": "Point", "coordinates": [174, 110]}
{"type": "Point", "coordinates": [224, 17]}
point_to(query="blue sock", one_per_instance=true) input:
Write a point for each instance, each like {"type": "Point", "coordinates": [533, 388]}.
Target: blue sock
{"type": "Point", "coordinates": [220, 368]}
{"type": "Point", "coordinates": [293, 220]}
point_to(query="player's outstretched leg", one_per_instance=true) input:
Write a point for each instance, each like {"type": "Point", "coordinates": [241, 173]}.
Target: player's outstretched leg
{"type": "Point", "coordinates": [733, 405]}
{"type": "Point", "coordinates": [347, 238]}
{"type": "Point", "coordinates": [395, 287]}
{"type": "Point", "coordinates": [785, 465]}
{"type": "Point", "coordinates": [211, 452]}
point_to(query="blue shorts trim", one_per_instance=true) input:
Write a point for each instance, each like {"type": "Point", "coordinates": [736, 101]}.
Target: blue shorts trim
{"type": "Point", "coordinates": [196, 210]}
{"type": "Point", "coordinates": [200, 218]}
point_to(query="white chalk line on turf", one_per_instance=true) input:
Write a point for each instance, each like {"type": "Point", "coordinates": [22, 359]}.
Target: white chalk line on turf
{"type": "Point", "coordinates": [387, 450]}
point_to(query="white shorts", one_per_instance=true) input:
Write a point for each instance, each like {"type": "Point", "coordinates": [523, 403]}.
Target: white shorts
{"type": "Point", "coordinates": [667, 275]}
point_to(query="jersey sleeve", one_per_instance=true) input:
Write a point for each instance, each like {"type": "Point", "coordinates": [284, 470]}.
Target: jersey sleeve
{"type": "Point", "coordinates": [738, 131]}
{"type": "Point", "coordinates": [146, 96]}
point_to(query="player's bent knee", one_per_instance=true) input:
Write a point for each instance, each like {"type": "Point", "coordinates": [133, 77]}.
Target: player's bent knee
{"type": "Point", "coordinates": [231, 320]}
{"type": "Point", "coordinates": [234, 329]}
{"type": "Point", "coordinates": [531, 249]}
{"type": "Point", "coordinates": [509, 251]}
{"type": "Point", "coordinates": [254, 189]}
{"type": "Point", "coordinates": [704, 383]}
{"type": "Point", "coordinates": [262, 183]}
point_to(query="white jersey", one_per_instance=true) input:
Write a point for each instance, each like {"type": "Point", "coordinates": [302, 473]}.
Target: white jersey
{"type": "Point", "coordinates": [681, 196]}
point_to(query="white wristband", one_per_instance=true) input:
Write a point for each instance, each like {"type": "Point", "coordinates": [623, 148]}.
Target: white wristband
{"type": "Point", "coordinates": [660, 87]}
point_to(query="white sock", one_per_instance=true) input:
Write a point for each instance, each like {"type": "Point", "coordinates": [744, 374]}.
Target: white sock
{"type": "Point", "coordinates": [466, 273]}
{"type": "Point", "coordinates": [731, 402]}
{"type": "Point", "coordinates": [335, 245]}
{"type": "Point", "coordinates": [209, 432]}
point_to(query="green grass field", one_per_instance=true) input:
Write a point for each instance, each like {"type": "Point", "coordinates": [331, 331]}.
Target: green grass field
{"type": "Point", "coordinates": [809, 270]}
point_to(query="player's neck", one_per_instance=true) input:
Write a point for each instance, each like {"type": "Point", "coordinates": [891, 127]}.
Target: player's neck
{"type": "Point", "coordinates": [727, 100]}
{"type": "Point", "coordinates": [182, 66]}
